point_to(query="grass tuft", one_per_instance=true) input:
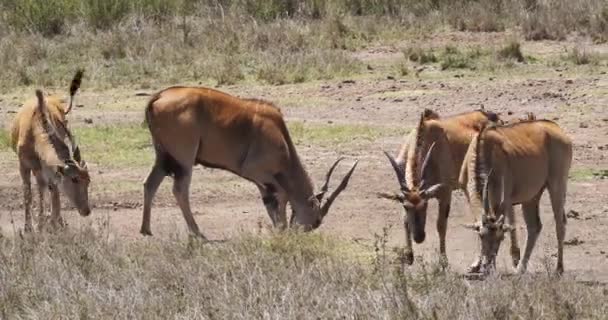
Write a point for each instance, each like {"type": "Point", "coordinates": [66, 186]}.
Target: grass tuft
{"type": "Point", "coordinates": [512, 51]}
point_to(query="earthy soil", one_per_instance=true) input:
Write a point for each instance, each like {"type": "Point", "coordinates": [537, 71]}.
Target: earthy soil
{"type": "Point", "coordinates": [575, 97]}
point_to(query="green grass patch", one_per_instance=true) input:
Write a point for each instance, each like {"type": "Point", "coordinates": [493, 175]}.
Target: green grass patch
{"type": "Point", "coordinates": [333, 134]}
{"type": "Point", "coordinates": [116, 146]}
{"type": "Point", "coordinates": [584, 56]}
{"type": "Point", "coordinates": [130, 145]}
{"type": "Point", "coordinates": [589, 173]}
{"type": "Point", "coordinates": [5, 140]}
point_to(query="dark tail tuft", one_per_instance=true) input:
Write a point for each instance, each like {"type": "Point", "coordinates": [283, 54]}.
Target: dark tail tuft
{"type": "Point", "coordinates": [40, 97]}
{"type": "Point", "coordinates": [76, 82]}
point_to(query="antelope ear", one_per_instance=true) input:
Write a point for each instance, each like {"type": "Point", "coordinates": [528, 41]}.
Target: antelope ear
{"type": "Point", "coordinates": [77, 156]}
{"type": "Point", "coordinates": [83, 165]}
{"type": "Point", "coordinates": [472, 226]}
{"type": "Point", "coordinates": [432, 191]}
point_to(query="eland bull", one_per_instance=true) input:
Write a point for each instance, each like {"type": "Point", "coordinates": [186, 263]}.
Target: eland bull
{"type": "Point", "coordinates": [510, 165]}
{"type": "Point", "coordinates": [46, 147]}
{"type": "Point", "coordinates": [247, 137]}
{"type": "Point", "coordinates": [427, 167]}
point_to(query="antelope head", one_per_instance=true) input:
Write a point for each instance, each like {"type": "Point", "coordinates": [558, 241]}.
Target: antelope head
{"type": "Point", "coordinates": [315, 203]}
{"type": "Point", "coordinates": [75, 182]}
{"type": "Point", "coordinates": [491, 229]}
{"type": "Point", "coordinates": [71, 171]}
{"type": "Point", "coordinates": [415, 199]}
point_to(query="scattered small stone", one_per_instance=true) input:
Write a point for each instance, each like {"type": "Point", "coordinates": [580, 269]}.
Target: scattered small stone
{"type": "Point", "coordinates": [369, 67]}
{"type": "Point", "coordinates": [441, 85]}
{"type": "Point", "coordinates": [572, 214]}
{"type": "Point", "coordinates": [602, 252]}
{"type": "Point", "coordinates": [358, 99]}
{"type": "Point", "coordinates": [555, 118]}
{"type": "Point", "coordinates": [390, 78]}
{"type": "Point", "coordinates": [398, 100]}
{"type": "Point", "coordinates": [569, 81]}
{"type": "Point", "coordinates": [142, 94]}
{"type": "Point", "coordinates": [348, 81]}
{"type": "Point", "coordinates": [325, 86]}
{"type": "Point", "coordinates": [509, 112]}
{"type": "Point", "coordinates": [88, 120]}
{"type": "Point", "coordinates": [574, 242]}
{"type": "Point", "coordinates": [491, 78]}
{"type": "Point", "coordinates": [330, 122]}
{"type": "Point", "coordinates": [80, 106]}
{"type": "Point", "coordinates": [583, 125]}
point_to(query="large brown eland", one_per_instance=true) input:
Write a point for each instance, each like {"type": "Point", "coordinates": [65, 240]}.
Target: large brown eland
{"type": "Point", "coordinates": [247, 137]}
{"type": "Point", "coordinates": [510, 165]}
{"type": "Point", "coordinates": [46, 147]}
{"type": "Point", "coordinates": [427, 167]}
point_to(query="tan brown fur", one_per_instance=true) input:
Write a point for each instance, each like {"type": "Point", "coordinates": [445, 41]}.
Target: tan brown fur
{"type": "Point", "coordinates": [45, 147]}
{"type": "Point", "coordinates": [516, 163]}
{"type": "Point", "coordinates": [245, 136]}
{"type": "Point", "coordinates": [449, 138]}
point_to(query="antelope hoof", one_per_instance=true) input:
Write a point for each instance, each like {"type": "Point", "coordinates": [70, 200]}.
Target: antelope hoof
{"type": "Point", "coordinates": [443, 262]}
{"type": "Point", "coordinates": [28, 228]}
{"type": "Point", "coordinates": [515, 256]}
{"type": "Point", "coordinates": [407, 257]}
{"type": "Point", "coordinates": [145, 232]}
{"type": "Point", "coordinates": [58, 223]}
{"type": "Point", "coordinates": [474, 268]}
{"type": "Point", "coordinates": [199, 236]}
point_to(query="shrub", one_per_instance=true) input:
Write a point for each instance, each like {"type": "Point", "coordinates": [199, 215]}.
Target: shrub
{"type": "Point", "coordinates": [512, 51]}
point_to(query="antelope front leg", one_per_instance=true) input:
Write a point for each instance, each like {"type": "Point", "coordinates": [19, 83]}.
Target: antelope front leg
{"type": "Point", "coordinates": [56, 219]}
{"type": "Point", "coordinates": [442, 225]}
{"type": "Point", "coordinates": [515, 251]}
{"type": "Point", "coordinates": [408, 252]}
{"type": "Point", "coordinates": [42, 186]}
{"type": "Point", "coordinates": [275, 203]}
{"type": "Point", "coordinates": [27, 197]}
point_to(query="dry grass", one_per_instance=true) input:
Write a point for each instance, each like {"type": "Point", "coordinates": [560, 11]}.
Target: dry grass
{"type": "Point", "coordinates": [85, 274]}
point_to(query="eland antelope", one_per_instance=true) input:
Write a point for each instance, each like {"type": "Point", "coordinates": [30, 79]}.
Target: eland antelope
{"type": "Point", "coordinates": [427, 167]}
{"type": "Point", "coordinates": [46, 147]}
{"type": "Point", "coordinates": [247, 137]}
{"type": "Point", "coordinates": [510, 165]}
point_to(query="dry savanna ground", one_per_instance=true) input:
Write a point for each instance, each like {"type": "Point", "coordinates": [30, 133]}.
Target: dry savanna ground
{"type": "Point", "coordinates": [101, 267]}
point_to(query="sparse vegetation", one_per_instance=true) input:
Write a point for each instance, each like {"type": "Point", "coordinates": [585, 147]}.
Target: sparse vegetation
{"type": "Point", "coordinates": [455, 58]}
{"type": "Point", "coordinates": [276, 42]}
{"type": "Point", "coordinates": [83, 273]}
{"type": "Point", "coordinates": [419, 55]}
